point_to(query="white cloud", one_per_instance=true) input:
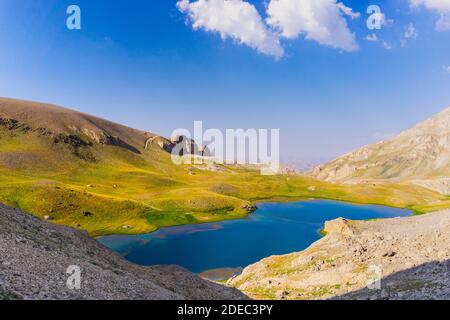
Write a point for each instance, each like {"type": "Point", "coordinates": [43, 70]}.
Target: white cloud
{"type": "Point", "coordinates": [443, 23]}
{"type": "Point", "coordinates": [235, 19]}
{"type": "Point", "coordinates": [441, 7]}
{"type": "Point", "coordinates": [446, 69]}
{"type": "Point", "coordinates": [348, 11]}
{"type": "Point", "coordinates": [371, 37]}
{"type": "Point", "coordinates": [386, 45]}
{"type": "Point", "coordinates": [319, 20]}
{"type": "Point", "coordinates": [410, 32]}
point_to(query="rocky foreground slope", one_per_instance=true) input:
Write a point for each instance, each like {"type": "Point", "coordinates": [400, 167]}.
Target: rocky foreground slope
{"type": "Point", "coordinates": [420, 155]}
{"type": "Point", "coordinates": [35, 255]}
{"type": "Point", "coordinates": [410, 255]}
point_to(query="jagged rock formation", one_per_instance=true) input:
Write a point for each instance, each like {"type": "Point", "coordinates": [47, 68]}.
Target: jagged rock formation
{"type": "Point", "coordinates": [162, 142]}
{"type": "Point", "coordinates": [410, 255]}
{"type": "Point", "coordinates": [421, 153]}
{"type": "Point", "coordinates": [35, 255]}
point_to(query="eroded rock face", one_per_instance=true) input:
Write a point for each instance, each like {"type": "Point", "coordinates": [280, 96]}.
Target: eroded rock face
{"type": "Point", "coordinates": [13, 124]}
{"type": "Point", "coordinates": [35, 255]}
{"type": "Point", "coordinates": [71, 140]}
{"type": "Point", "coordinates": [404, 258]}
{"type": "Point", "coordinates": [161, 142]}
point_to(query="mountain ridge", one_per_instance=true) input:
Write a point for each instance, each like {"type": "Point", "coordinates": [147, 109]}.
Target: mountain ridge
{"type": "Point", "coordinates": [60, 120]}
{"type": "Point", "coordinates": [420, 153]}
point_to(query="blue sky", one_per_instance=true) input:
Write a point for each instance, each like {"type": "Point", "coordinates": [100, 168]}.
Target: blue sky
{"type": "Point", "coordinates": [141, 63]}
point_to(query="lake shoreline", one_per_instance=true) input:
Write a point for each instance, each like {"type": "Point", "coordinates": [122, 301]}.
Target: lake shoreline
{"type": "Point", "coordinates": [256, 201]}
{"type": "Point", "coordinates": [214, 248]}
{"type": "Point", "coordinates": [221, 274]}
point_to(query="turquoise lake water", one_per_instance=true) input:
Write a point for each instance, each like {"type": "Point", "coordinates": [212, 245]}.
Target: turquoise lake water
{"type": "Point", "coordinates": [275, 228]}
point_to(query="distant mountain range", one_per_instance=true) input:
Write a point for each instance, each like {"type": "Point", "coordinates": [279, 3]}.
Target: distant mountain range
{"type": "Point", "coordinates": [420, 155]}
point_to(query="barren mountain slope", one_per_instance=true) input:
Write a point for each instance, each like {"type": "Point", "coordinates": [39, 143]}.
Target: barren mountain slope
{"type": "Point", "coordinates": [421, 153]}
{"type": "Point", "coordinates": [35, 255]}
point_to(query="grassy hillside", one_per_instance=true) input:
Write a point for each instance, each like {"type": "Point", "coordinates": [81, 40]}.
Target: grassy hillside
{"type": "Point", "coordinates": [95, 175]}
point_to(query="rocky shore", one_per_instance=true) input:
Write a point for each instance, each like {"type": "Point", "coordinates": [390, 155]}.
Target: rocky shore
{"type": "Point", "coordinates": [402, 258]}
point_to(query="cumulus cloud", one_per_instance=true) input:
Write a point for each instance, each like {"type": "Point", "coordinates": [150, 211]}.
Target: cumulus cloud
{"type": "Point", "coordinates": [441, 7]}
{"type": "Point", "coordinates": [446, 69]}
{"type": "Point", "coordinates": [323, 21]}
{"type": "Point", "coordinates": [235, 19]}
{"type": "Point", "coordinates": [319, 20]}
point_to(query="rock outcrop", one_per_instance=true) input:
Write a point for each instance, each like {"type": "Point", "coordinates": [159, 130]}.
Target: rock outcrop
{"type": "Point", "coordinates": [35, 256]}
{"type": "Point", "coordinates": [403, 258]}
{"type": "Point", "coordinates": [341, 225]}
{"type": "Point", "coordinates": [161, 142]}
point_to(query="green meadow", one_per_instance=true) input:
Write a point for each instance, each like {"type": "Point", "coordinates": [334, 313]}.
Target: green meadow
{"type": "Point", "coordinates": [106, 189]}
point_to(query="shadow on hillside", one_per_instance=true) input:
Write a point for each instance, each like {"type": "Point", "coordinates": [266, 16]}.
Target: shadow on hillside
{"type": "Point", "coordinates": [120, 143]}
{"type": "Point", "coordinates": [413, 284]}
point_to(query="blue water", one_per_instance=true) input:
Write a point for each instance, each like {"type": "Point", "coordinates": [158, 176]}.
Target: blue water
{"type": "Point", "coordinates": [275, 228]}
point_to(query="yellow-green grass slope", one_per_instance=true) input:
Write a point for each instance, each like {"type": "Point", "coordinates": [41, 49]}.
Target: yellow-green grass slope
{"type": "Point", "coordinates": [60, 164]}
